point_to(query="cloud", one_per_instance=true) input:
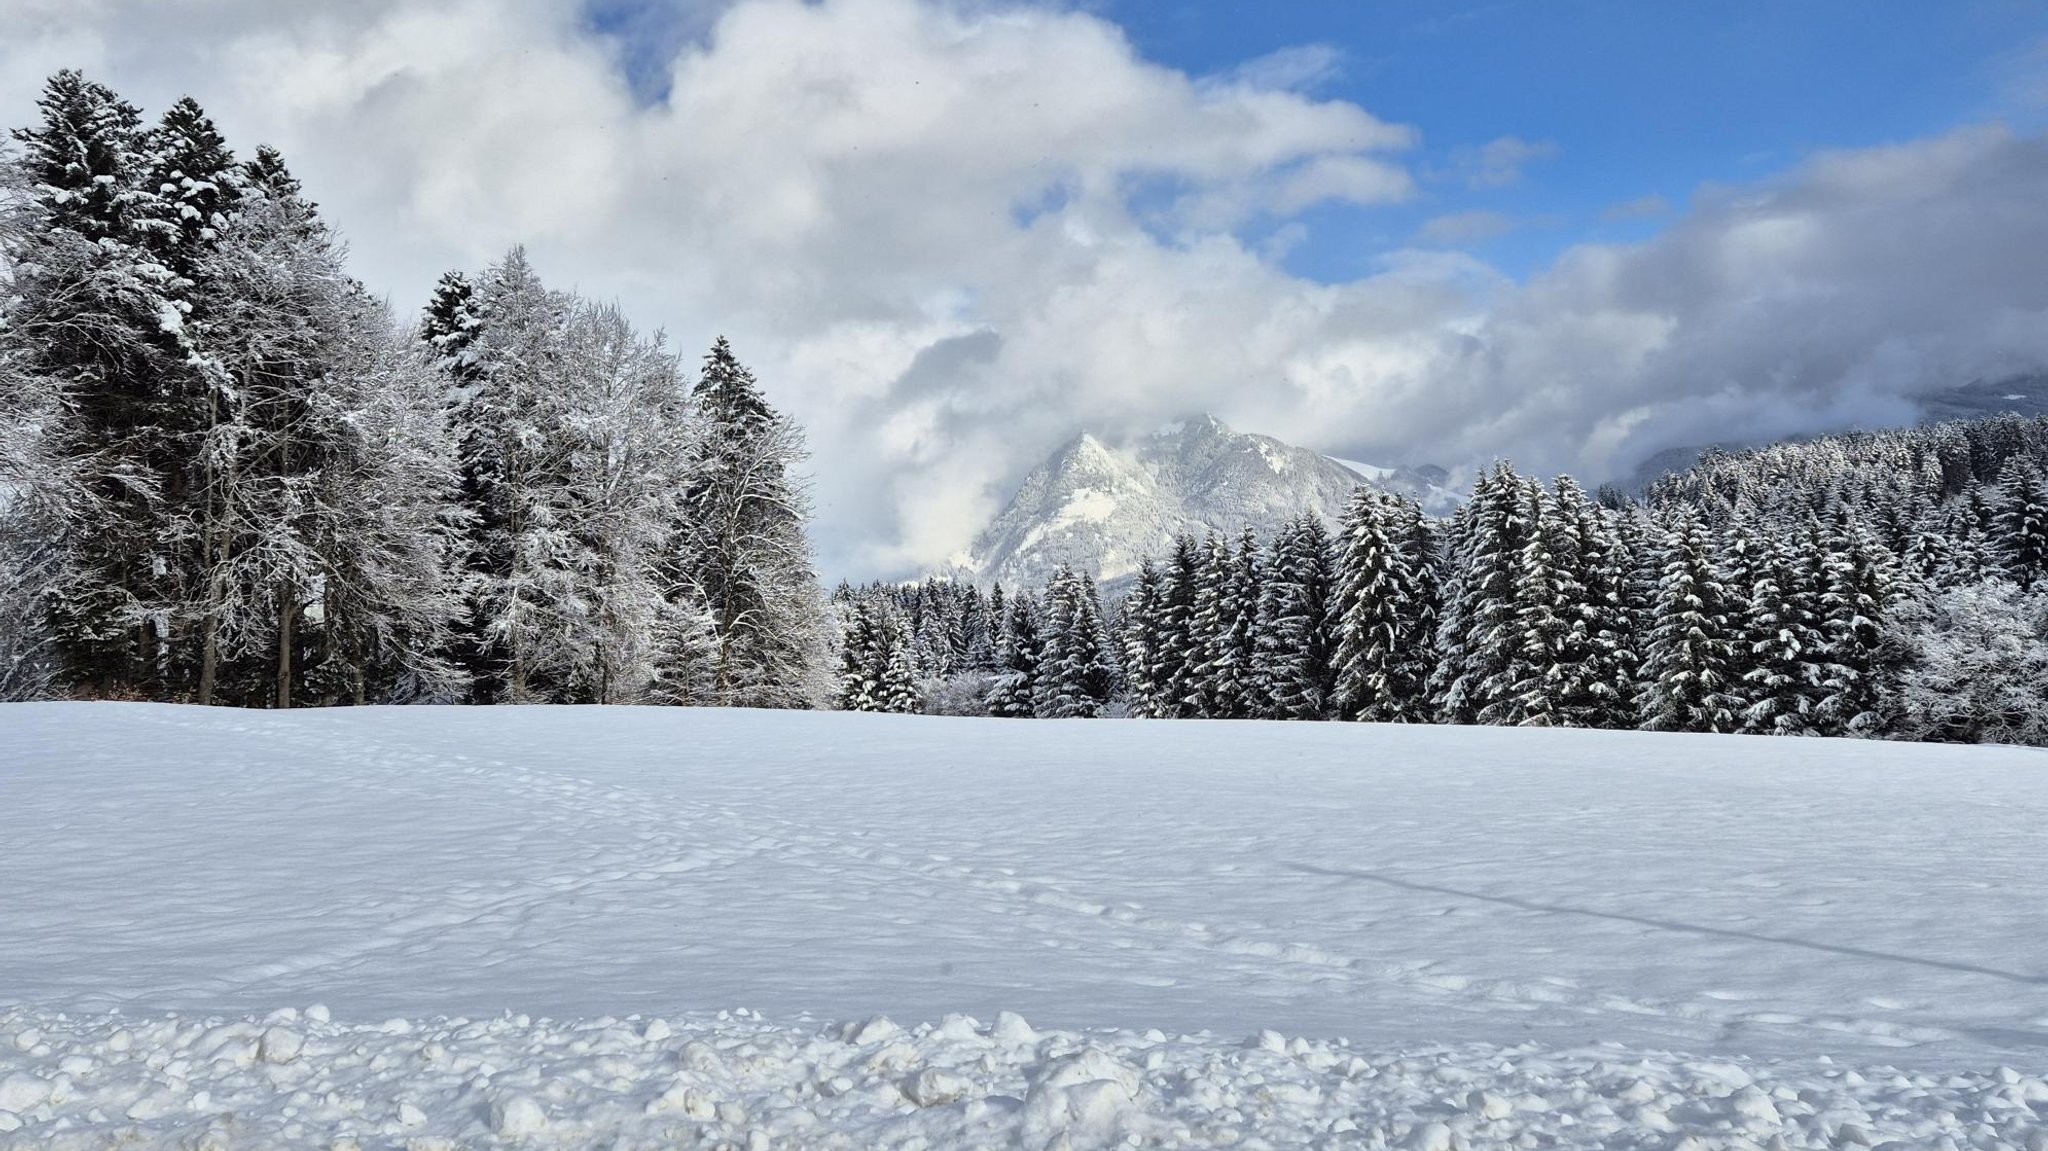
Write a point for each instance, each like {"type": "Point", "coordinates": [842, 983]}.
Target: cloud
{"type": "Point", "coordinates": [947, 234]}
{"type": "Point", "coordinates": [1464, 228]}
{"type": "Point", "coordinates": [1293, 69]}
{"type": "Point", "coordinates": [1499, 163]}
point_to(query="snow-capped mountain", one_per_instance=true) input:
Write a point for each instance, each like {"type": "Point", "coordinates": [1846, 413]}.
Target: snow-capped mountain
{"type": "Point", "coordinates": [1104, 505]}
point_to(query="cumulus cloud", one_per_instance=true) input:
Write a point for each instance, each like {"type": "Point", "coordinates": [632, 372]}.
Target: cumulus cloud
{"type": "Point", "coordinates": [949, 234]}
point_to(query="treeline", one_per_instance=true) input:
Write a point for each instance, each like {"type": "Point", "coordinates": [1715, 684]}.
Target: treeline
{"type": "Point", "coordinates": [229, 475]}
{"type": "Point", "coordinates": [1887, 584]}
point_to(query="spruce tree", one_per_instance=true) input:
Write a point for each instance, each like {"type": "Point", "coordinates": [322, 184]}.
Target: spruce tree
{"type": "Point", "coordinates": [1077, 674]}
{"type": "Point", "coordinates": [1140, 637]}
{"type": "Point", "coordinates": [2022, 524]}
{"type": "Point", "coordinates": [1780, 644]}
{"type": "Point", "coordinates": [95, 318]}
{"type": "Point", "coordinates": [1477, 636]}
{"type": "Point", "coordinates": [1688, 682]}
{"type": "Point", "coordinates": [1864, 652]}
{"type": "Point", "coordinates": [748, 557]}
{"type": "Point", "coordinates": [1014, 693]}
{"type": "Point", "coordinates": [1175, 661]}
{"type": "Point", "coordinates": [1292, 664]}
{"type": "Point", "coordinates": [1382, 611]}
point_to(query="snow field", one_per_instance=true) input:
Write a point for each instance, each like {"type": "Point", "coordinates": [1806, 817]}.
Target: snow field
{"type": "Point", "coordinates": [299, 1079]}
{"type": "Point", "coordinates": [1470, 937]}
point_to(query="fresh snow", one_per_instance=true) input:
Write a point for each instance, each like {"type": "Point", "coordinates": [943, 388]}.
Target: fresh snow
{"type": "Point", "coordinates": [639, 927]}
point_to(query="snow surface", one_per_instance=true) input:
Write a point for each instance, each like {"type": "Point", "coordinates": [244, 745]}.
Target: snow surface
{"type": "Point", "coordinates": [1345, 935]}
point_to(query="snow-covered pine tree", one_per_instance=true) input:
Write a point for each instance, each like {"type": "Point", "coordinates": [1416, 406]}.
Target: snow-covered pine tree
{"type": "Point", "coordinates": [2022, 523]}
{"type": "Point", "coordinates": [1139, 638]}
{"type": "Point", "coordinates": [1292, 665]}
{"type": "Point", "coordinates": [1014, 694]}
{"type": "Point", "coordinates": [1687, 679]}
{"type": "Point", "coordinates": [1779, 644]}
{"type": "Point", "coordinates": [862, 652]}
{"type": "Point", "coordinates": [1174, 670]}
{"type": "Point", "coordinates": [195, 184]}
{"type": "Point", "coordinates": [978, 633]}
{"type": "Point", "coordinates": [1231, 631]}
{"type": "Point", "coordinates": [752, 563]}
{"type": "Point", "coordinates": [1382, 611]}
{"type": "Point", "coordinates": [1860, 593]}
{"type": "Point", "coordinates": [900, 672]}
{"type": "Point", "coordinates": [450, 324]}
{"type": "Point", "coordinates": [1603, 687]}
{"type": "Point", "coordinates": [1547, 678]}
{"type": "Point", "coordinates": [1477, 636]}
{"type": "Point", "coordinates": [1077, 674]}
{"type": "Point", "coordinates": [94, 318]}
{"type": "Point", "coordinates": [513, 482]}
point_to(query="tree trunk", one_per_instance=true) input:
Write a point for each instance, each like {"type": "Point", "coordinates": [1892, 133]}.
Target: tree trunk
{"type": "Point", "coordinates": [287, 615]}
{"type": "Point", "coordinates": [209, 657]}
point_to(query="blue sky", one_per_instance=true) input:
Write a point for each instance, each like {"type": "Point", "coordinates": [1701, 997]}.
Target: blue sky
{"type": "Point", "coordinates": [1639, 99]}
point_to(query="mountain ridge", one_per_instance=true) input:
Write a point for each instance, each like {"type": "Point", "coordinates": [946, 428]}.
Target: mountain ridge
{"type": "Point", "coordinates": [1102, 504]}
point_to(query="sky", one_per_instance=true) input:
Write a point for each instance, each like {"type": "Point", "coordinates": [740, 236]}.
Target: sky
{"type": "Point", "coordinates": [949, 234]}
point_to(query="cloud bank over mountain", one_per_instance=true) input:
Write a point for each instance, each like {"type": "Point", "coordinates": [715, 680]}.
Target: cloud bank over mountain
{"type": "Point", "coordinates": [948, 236]}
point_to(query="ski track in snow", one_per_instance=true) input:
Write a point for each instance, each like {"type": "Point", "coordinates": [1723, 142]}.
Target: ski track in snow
{"type": "Point", "coordinates": [1402, 888]}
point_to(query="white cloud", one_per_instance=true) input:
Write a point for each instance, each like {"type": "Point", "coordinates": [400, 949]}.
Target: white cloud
{"type": "Point", "coordinates": [947, 234]}
{"type": "Point", "coordinates": [1499, 162]}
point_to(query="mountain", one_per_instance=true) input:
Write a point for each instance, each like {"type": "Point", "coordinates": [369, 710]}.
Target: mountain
{"type": "Point", "coordinates": [1103, 505]}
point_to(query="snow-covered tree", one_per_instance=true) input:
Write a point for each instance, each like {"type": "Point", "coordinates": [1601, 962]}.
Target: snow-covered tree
{"type": "Point", "coordinates": [1077, 674]}
{"type": "Point", "coordinates": [751, 561]}
{"type": "Point", "coordinates": [1383, 611]}
{"type": "Point", "coordinates": [2022, 523]}
{"type": "Point", "coordinates": [1978, 671]}
{"type": "Point", "coordinates": [1478, 635]}
{"type": "Point", "coordinates": [1018, 657]}
{"type": "Point", "coordinates": [1688, 665]}
{"type": "Point", "coordinates": [1291, 666]}
{"type": "Point", "coordinates": [93, 319]}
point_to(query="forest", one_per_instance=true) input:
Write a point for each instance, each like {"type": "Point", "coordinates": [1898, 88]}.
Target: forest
{"type": "Point", "coordinates": [229, 474]}
{"type": "Point", "coordinates": [1885, 584]}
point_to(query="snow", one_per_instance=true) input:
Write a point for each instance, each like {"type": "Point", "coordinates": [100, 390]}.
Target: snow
{"type": "Point", "coordinates": [522, 927]}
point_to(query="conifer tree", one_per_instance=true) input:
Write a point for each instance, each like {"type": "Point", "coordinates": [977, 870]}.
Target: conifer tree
{"type": "Point", "coordinates": [1014, 693]}
{"type": "Point", "coordinates": [748, 556]}
{"type": "Point", "coordinates": [1292, 665]}
{"type": "Point", "coordinates": [1687, 682]}
{"type": "Point", "coordinates": [1077, 674]}
{"type": "Point", "coordinates": [1864, 653]}
{"type": "Point", "coordinates": [2022, 524]}
{"type": "Point", "coordinates": [1383, 611]}
{"type": "Point", "coordinates": [1545, 682]}
{"type": "Point", "coordinates": [95, 320]}
{"type": "Point", "coordinates": [1779, 646]}
{"type": "Point", "coordinates": [1175, 664]}
{"type": "Point", "coordinates": [1477, 637]}
{"type": "Point", "coordinates": [1139, 639]}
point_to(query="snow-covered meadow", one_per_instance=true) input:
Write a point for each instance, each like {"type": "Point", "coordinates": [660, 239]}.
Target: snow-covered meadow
{"type": "Point", "coordinates": [644, 927]}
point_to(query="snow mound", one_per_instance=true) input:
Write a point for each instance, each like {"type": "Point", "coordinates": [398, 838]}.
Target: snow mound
{"type": "Point", "coordinates": [516, 1082]}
